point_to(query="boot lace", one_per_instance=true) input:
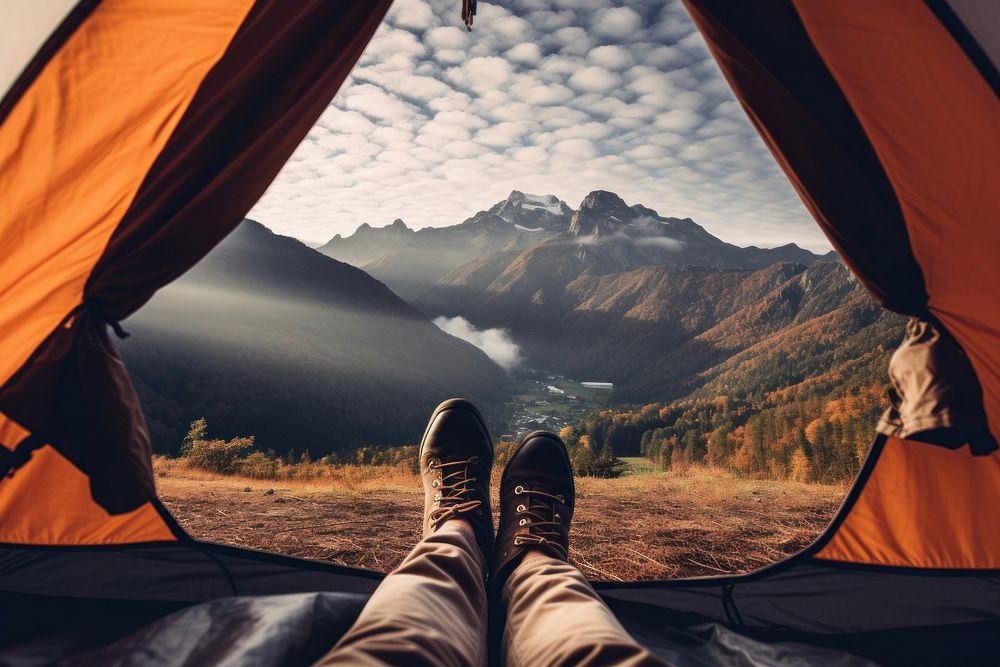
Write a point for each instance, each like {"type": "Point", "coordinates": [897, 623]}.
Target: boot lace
{"type": "Point", "coordinates": [454, 490]}
{"type": "Point", "coordinates": [540, 521]}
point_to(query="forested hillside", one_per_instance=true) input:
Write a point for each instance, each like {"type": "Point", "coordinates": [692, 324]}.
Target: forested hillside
{"type": "Point", "coordinates": [800, 404]}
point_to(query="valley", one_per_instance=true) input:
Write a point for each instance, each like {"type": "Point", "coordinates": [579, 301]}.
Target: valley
{"type": "Point", "coordinates": [761, 361]}
{"type": "Point", "coordinates": [552, 402]}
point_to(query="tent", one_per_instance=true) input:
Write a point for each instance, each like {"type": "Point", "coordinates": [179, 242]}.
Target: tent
{"type": "Point", "coordinates": [135, 134]}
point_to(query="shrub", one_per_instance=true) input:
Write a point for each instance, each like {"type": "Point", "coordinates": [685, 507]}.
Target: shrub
{"type": "Point", "coordinates": [197, 431]}
{"type": "Point", "coordinates": [588, 464]}
{"type": "Point", "coordinates": [221, 456]}
{"type": "Point", "coordinates": [259, 465]}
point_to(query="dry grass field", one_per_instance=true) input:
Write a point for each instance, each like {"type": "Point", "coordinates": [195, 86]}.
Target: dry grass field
{"type": "Point", "coordinates": [645, 525]}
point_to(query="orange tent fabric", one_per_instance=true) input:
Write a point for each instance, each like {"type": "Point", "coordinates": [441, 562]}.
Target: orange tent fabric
{"type": "Point", "coordinates": [934, 123]}
{"type": "Point", "coordinates": [915, 130]}
{"type": "Point", "coordinates": [135, 141]}
{"type": "Point", "coordinates": [60, 205]}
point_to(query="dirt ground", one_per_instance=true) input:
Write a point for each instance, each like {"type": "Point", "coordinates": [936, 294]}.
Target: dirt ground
{"type": "Point", "coordinates": [649, 525]}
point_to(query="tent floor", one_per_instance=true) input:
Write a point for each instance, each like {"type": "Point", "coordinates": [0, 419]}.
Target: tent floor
{"type": "Point", "coordinates": [296, 629]}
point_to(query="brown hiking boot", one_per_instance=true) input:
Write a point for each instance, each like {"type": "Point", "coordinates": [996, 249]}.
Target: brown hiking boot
{"type": "Point", "coordinates": [456, 455]}
{"type": "Point", "coordinates": [536, 502]}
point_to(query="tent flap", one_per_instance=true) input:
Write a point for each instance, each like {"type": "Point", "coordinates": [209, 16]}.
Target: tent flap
{"type": "Point", "coordinates": [227, 91]}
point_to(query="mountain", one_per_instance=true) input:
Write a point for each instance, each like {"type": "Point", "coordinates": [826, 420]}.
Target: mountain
{"type": "Point", "coordinates": [787, 388]}
{"type": "Point", "coordinates": [618, 289]}
{"type": "Point", "coordinates": [268, 337]}
{"type": "Point", "coordinates": [527, 242]}
{"type": "Point", "coordinates": [609, 291]}
{"type": "Point", "coordinates": [604, 236]}
{"type": "Point", "coordinates": [795, 321]}
{"type": "Point", "coordinates": [661, 332]}
{"type": "Point", "coordinates": [411, 261]}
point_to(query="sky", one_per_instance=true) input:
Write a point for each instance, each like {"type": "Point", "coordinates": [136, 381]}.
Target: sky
{"type": "Point", "coordinates": [544, 96]}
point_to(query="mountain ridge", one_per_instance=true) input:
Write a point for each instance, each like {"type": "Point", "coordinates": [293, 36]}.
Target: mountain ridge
{"type": "Point", "coordinates": [414, 262]}
{"type": "Point", "coordinates": [269, 337]}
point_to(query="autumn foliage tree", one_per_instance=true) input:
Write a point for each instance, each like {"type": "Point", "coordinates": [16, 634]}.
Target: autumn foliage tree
{"type": "Point", "coordinates": [815, 431]}
{"type": "Point", "coordinates": [218, 455]}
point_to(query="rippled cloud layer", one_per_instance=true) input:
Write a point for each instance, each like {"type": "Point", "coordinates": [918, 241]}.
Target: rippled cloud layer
{"type": "Point", "coordinates": [554, 96]}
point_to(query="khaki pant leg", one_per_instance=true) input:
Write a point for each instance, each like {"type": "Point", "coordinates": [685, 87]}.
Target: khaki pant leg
{"type": "Point", "coordinates": [554, 617]}
{"type": "Point", "coordinates": [430, 611]}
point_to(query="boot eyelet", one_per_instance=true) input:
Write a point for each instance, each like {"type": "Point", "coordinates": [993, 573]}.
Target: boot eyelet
{"type": "Point", "coordinates": [435, 484]}
{"type": "Point", "coordinates": [432, 464]}
{"type": "Point", "coordinates": [518, 490]}
{"type": "Point", "coordinates": [522, 522]}
{"type": "Point", "coordinates": [556, 516]}
{"type": "Point", "coordinates": [561, 498]}
{"type": "Point", "coordinates": [474, 459]}
{"type": "Point", "coordinates": [521, 508]}
{"type": "Point", "coordinates": [437, 496]}
{"type": "Point", "coordinates": [517, 541]}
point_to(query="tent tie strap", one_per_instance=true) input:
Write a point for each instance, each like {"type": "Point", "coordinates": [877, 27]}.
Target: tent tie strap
{"type": "Point", "coordinates": [729, 606]}
{"type": "Point", "coordinates": [12, 459]}
{"type": "Point", "coordinates": [468, 12]}
{"type": "Point", "coordinates": [99, 313]}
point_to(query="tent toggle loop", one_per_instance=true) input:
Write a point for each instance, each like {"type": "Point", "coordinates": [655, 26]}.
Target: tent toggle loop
{"type": "Point", "coordinates": [117, 328]}
{"type": "Point", "coordinates": [11, 460]}
{"type": "Point", "coordinates": [468, 12]}
{"type": "Point", "coordinates": [100, 314]}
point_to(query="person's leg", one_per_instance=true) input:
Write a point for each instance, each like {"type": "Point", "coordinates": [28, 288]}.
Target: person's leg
{"type": "Point", "coordinates": [554, 616]}
{"type": "Point", "coordinates": [432, 609]}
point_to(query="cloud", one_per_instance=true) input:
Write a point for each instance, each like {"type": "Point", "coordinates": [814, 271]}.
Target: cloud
{"type": "Point", "coordinates": [653, 240]}
{"type": "Point", "coordinates": [514, 28]}
{"type": "Point", "coordinates": [617, 23]}
{"type": "Point", "coordinates": [503, 135]}
{"type": "Point", "coordinates": [663, 56]}
{"type": "Point", "coordinates": [583, 149]}
{"type": "Point", "coordinates": [411, 14]}
{"type": "Point", "coordinates": [646, 152]}
{"type": "Point", "coordinates": [570, 41]}
{"type": "Point", "coordinates": [525, 53]}
{"type": "Point", "coordinates": [611, 57]}
{"type": "Point", "coordinates": [419, 88]}
{"type": "Point", "coordinates": [659, 242]}
{"type": "Point", "coordinates": [594, 80]}
{"type": "Point", "coordinates": [541, 94]}
{"type": "Point", "coordinates": [374, 102]}
{"type": "Point", "coordinates": [496, 343]}
{"type": "Point", "coordinates": [480, 74]}
{"type": "Point", "coordinates": [402, 41]}
{"type": "Point", "coordinates": [646, 80]}
{"type": "Point", "coordinates": [446, 37]}
{"type": "Point", "coordinates": [350, 123]}
{"type": "Point", "coordinates": [678, 120]}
